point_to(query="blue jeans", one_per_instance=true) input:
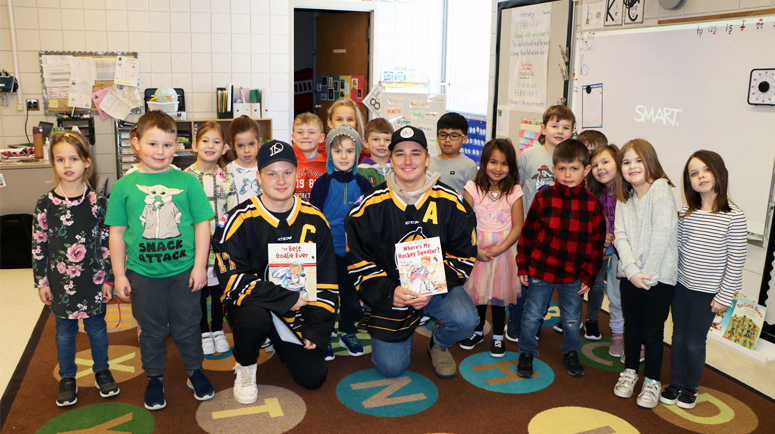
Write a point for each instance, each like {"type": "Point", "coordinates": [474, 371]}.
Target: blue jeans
{"type": "Point", "coordinates": [457, 318]}
{"type": "Point", "coordinates": [515, 313]}
{"type": "Point", "coordinates": [539, 294]}
{"type": "Point", "coordinates": [67, 329]}
{"type": "Point", "coordinates": [692, 317]}
{"type": "Point", "coordinates": [600, 288]}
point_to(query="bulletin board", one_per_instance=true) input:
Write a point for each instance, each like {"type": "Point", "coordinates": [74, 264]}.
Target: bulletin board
{"type": "Point", "coordinates": [57, 76]}
{"type": "Point", "coordinates": [419, 110]}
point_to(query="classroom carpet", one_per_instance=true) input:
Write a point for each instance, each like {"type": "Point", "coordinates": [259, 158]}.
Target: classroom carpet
{"type": "Point", "coordinates": [485, 397]}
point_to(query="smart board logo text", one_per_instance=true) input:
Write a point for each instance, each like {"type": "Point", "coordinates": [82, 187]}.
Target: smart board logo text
{"type": "Point", "coordinates": [667, 115]}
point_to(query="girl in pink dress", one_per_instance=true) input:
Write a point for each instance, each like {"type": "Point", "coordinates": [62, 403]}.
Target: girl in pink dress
{"type": "Point", "coordinates": [495, 196]}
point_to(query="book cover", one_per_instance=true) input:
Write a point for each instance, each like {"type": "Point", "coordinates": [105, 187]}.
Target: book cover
{"type": "Point", "coordinates": [294, 267]}
{"type": "Point", "coordinates": [746, 323]}
{"type": "Point", "coordinates": [721, 320]}
{"type": "Point", "coordinates": [421, 266]}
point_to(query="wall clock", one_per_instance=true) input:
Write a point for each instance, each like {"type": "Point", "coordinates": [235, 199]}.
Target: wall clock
{"type": "Point", "coordinates": [761, 87]}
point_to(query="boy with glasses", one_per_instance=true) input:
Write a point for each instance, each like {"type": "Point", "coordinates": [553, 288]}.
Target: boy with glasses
{"type": "Point", "coordinates": [455, 168]}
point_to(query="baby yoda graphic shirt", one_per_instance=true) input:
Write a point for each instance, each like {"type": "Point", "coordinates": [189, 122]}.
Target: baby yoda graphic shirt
{"type": "Point", "coordinates": [159, 211]}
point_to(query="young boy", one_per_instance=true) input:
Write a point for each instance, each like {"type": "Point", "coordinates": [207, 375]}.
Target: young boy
{"type": "Point", "coordinates": [335, 193]}
{"type": "Point", "coordinates": [159, 243]}
{"type": "Point", "coordinates": [535, 172]}
{"type": "Point", "coordinates": [561, 247]}
{"type": "Point", "coordinates": [592, 139]}
{"type": "Point", "coordinates": [251, 300]}
{"type": "Point", "coordinates": [377, 141]}
{"type": "Point", "coordinates": [455, 168]}
{"type": "Point", "coordinates": [308, 134]}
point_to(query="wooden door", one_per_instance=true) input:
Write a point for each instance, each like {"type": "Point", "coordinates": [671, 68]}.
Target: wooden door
{"type": "Point", "coordinates": [342, 48]}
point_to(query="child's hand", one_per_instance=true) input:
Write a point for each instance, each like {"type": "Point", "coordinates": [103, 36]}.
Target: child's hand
{"type": "Point", "coordinates": [609, 238]}
{"type": "Point", "coordinates": [45, 295]}
{"type": "Point", "coordinates": [308, 345]}
{"type": "Point", "coordinates": [494, 251]}
{"type": "Point", "coordinates": [483, 255]}
{"type": "Point", "coordinates": [107, 292]}
{"type": "Point", "coordinates": [717, 307]}
{"type": "Point", "coordinates": [198, 278]}
{"type": "Point", "coordinates": [302, 301]}
{"type": "Point", "coordinates": [524, 280]}
{"type": "Point", "coordinates": [123, 288]}
{"type": "Point", "coordinates": [638, 281]}
{"type": "Point", "coordinates": [584, 289]}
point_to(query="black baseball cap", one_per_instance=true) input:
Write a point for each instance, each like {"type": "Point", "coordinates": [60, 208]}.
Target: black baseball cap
{"type": "Point", "coordinates": [408, 134]}
{"type": "Point", "coordinates": [275, 151]}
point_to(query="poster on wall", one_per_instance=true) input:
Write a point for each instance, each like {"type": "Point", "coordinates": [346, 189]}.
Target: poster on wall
{"type": "Point", "coordinates": [333, 87]}
{"type": "Point", "coordinates": [528, 55]}
{"type": "Point", "coordinates": [418, 110]}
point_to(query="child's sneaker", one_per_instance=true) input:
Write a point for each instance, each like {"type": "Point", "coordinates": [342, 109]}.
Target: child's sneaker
{"type": "Point", "coordinates": [267, 346]}
{"type": "Point", "coordinates": [649, 394]}
{"type": "Point", "coordinates": [470, 342]}
{"type": "Point", "coordinates": [525, 365]}
{"type": "Point", "coordinates": [221, 343]}
{"type": "Point", "coordinates": [513, 329]}
{"type": "Point", "coordinates": [197, 381]}
{"type": "Point", "coordinates": [592, 330]}
{"type": "Point", "coordinates": [571, 361]}
{"type": "Point", "coordinates": [245, 388]}
{"type": "Point", "coordinates": [626, 383]}
{"type": "Point", "coordinates": [617, 345]}
{"type": "Point", "coordinates": [670, 394]}
{"type": "Point", "coordinates": [424, 320]}
{"type": "Point", "coordinates": [67, 391]}
{"type": "Point", "coordinates": [642, 354]}
{"type": "Point", "coordinates": [687, 399]}
{"type": "Point", "coordinates": [498, 348]}
{"type": "Point", "coordinates": [103, 380]}
{"type": "Point", "coordinates": [557, 326]}
{"type": "Point", "coordinates": [208, 345]}
{"type": "Point", "coordinates": [329, 352]}
{"type": "Point", "coordinates": [350, 341]}
{"type": "Point", "coordinates": [154, 394]}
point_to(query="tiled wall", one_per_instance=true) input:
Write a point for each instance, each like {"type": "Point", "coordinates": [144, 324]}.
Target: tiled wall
{"type": "Point", "coordinates": [198, 45]}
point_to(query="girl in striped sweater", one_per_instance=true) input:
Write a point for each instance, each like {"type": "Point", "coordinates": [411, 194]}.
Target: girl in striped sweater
{"type": "Point", "coordinates": [711, 254]}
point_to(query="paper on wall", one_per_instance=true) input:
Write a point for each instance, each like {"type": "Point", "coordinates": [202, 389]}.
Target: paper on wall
{"type": "Point", "coordinates": [502, 121]}
{"type": "Point", "coordinates": [56, 75]}
{"type": "Point", "coordinates": [55, 92]}
{"type": "Point", "coordinates": [373, 100]}
{"type": "Point", "coordinates": [79, 94]}
{"type": "Point", "coordinates": [83, 69]}
{"type": "Point", "coordinates": [115, 106]}
{"type": "Point", "coordinates": [98, 96]}
{"type": "Point", "coordinates": [127, 71]}
{"type": "Point", "coordinates": [105, 68]}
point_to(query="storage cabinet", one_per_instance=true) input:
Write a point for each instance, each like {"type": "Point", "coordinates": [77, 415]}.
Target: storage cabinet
{"type": "Point", "coordinates": [184, 157]}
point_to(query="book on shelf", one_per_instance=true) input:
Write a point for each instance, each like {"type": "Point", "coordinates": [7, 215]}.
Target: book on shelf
{"type": "Point", "coordinates": [421, 266]}
{"type": "Point", "coordinates": [294, 267]}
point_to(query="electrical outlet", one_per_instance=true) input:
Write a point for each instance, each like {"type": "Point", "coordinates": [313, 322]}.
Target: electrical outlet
{"type": "Point", "coordinates": [32, 105]}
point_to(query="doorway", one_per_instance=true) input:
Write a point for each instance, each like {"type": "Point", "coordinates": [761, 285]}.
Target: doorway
{"type": "Point", "coordinates": [331, 46]}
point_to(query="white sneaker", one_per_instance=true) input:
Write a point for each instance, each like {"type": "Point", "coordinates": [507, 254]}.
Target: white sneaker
{"type": "Point", "coordinates": [649, 395]}
{"type": "Point", "coordinates": [245, 388]}
{"type": "Point", "coordinates": [626, 383]}
{"type": "Point", "coordinates": [208, 345]}
{"type": "Point", "coordinates": [221, 343]}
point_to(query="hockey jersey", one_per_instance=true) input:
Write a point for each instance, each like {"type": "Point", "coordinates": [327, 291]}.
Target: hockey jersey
{"type": "Point", "coordinates": [240, 246]}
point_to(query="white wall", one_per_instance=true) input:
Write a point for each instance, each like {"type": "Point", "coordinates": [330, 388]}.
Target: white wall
{"type": "Point", "coordinates": [198, 45]}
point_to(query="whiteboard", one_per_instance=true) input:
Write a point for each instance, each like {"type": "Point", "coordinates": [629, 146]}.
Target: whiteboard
{"type": "Point", "coordinates": [420, 110]}
{"type": "Point", "coordinates": [684, 88]}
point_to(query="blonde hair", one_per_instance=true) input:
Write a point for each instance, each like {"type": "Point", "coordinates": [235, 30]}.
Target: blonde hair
{"type": "Point", "coordinates": [347, 102]}
{"type": "Point", "coordinates": [82, 147]}
{"type": "Point", "coordinates": [203, 129]}
{"type": "Point", "coordinates": [308, 119]}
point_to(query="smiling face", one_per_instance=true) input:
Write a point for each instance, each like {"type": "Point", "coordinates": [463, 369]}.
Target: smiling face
{"type": "Point", "coordinates": [156, 150]}
{"type": "Point", "coordinates": [278, 182]}
{"type": "Point", "coordinates": [210, 147]}
{"type": "Point", "coordinates": [307, 137]}
{"type": "Point", "coordinates": [450, 141]}
{"type": "Point", "coordinates": [497, 167]}
{"type": "Point", "coordinates": [342, 115]}
{"type": "Point", "coordinates": [409, 161]}
{"type": "Point", "coordinates": [604, 168]}
{"type": "Point", "coordinates": [570, 174]}
{"type": "Point", "coordinates": [556, 131]}
{"type": "Point", "coordinates": [634, 170]}
{"type": "Point", "coordinates": [343, 155]}
{"type": "Point", "coordinates": [246, 146]}
{"type": "Point", "coordinates": [377, 144]}
{"type": "Point", "coordinates": [68, 164]}
{"type": "Point", "coordinates": [702, 178]}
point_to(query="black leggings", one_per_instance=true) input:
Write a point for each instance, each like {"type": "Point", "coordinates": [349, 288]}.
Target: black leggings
{"type": "Point", "coordinates": [498, 318]}
{"type": "Point", "coordinates": [216, 309]}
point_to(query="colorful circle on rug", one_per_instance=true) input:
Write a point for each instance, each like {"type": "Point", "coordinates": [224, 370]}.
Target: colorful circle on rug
{"type": "Point", "coordinates": [716, 412]}
{"type": "Point", "coordinates": [225, 361]}
{"type": "Point", "coordinates": [552, 316]}
{"type": "Point", "coordinates": [573, 420]}
{"type": "Point", "coordinates": [124, 361]}
{"type": "Point", "coordinates": [594, 354]}
{"type": "Point", "coordinates": [117, 318]}
{"type": "Point", "coordinates": [500, 374]}
{"type": "Point", "coordinates": [277, 410]}
{"type": "Point", "coordinates": [108, 418]}
{"type": "Point", "coordinates": [370, 393]}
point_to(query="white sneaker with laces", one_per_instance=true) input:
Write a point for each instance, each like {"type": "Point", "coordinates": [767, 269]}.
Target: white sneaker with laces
{"type": "Point", "coordinates": [626, 383]}
{"type": "Point", "coordinates": [208, 345]}
{"type": "Point", "coordinates": [245, 388]}
{"type": "Point", "coordinates": [649, 395]}
{"type": "Point", "coordinates": [221, 343]}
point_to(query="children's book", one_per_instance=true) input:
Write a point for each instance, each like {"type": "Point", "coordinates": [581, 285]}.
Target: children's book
{"type": "Point", "coordinates": [746, 323]}
{"type": "Point", "coordinates": [294, 267]}
{"type": "Point", "coordinates": [421, 266]}
{"type": "Point", "coordinates": [721, 320]}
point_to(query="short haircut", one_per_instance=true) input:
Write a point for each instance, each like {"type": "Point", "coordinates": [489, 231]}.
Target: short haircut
{"type": "Point", "coordinates": [153, 119]}
{"type": "Point", "coordinates": [336, 142]}
{"type": "Point", "coordinates": [559, 112]}
{"type": "Point", "coordinates": [719, 170]}
{"type": "Point", "coordinates": [378, 125]}
{"type": "Point", "coordinates": [211, 126]}
{"type": "Point", "coordinates": [308, 119]}
{"type": "Point", "coordinates": [569, 151]}
{"type": "Point", "coordinates": [242, 124]}
{"type": "Point", "coordinates": [82, 147]}
{"type": "Point", "coordinates": [452, 121]}
{"type": "Point", "coordinates": [593, 138]}
{"type": "Point", "coordinates": [651, 163]}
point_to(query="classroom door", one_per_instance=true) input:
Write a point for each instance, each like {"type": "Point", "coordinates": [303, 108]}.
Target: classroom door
{"type": "Point", "coordinates": [342, 48]}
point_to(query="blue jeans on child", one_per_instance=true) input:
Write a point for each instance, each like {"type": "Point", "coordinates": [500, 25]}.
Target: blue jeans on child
{"type": "Point", "coordinates": [515, 313]}
{"type": "Point", "coordinates": [611, 288]}
{"type": "Point", "coordinates": [457, 317]}
{"type": "Point", "coordinates": [692, 317]}
{"type": "Point", "coordinates": [539, 292]}
{"type": "Point", "coordinates": [67, 329]}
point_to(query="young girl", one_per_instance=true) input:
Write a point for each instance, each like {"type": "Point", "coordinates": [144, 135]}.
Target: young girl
{"type": "Point", "coordinates": [600, 182]}
{"type": "Point", "coordinates": [345, 111]}
{"type": "Point", "coordinates": [72, 263]}
{"type": "Point", "coordinates": [496, 197]}
{"type": "Point", "coordinates": [219, 187]}
{"type": "Point", "coordinates": [645, 237]}
{"type": "Point", "coordinates": [245, 140]}
{"type": "Point", "coordinates": [711, 253]}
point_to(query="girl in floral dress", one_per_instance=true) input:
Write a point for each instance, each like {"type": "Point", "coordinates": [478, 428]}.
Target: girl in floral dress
{"type": "Point", "coordinates": [71, 262]}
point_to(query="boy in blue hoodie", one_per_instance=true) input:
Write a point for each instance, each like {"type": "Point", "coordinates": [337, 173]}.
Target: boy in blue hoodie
{"type": "Point", "coordinates": [335, 193]}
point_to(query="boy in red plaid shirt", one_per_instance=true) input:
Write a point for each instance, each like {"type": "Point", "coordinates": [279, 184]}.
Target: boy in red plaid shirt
{"type": "Point", "coordinates": [561, 247]}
